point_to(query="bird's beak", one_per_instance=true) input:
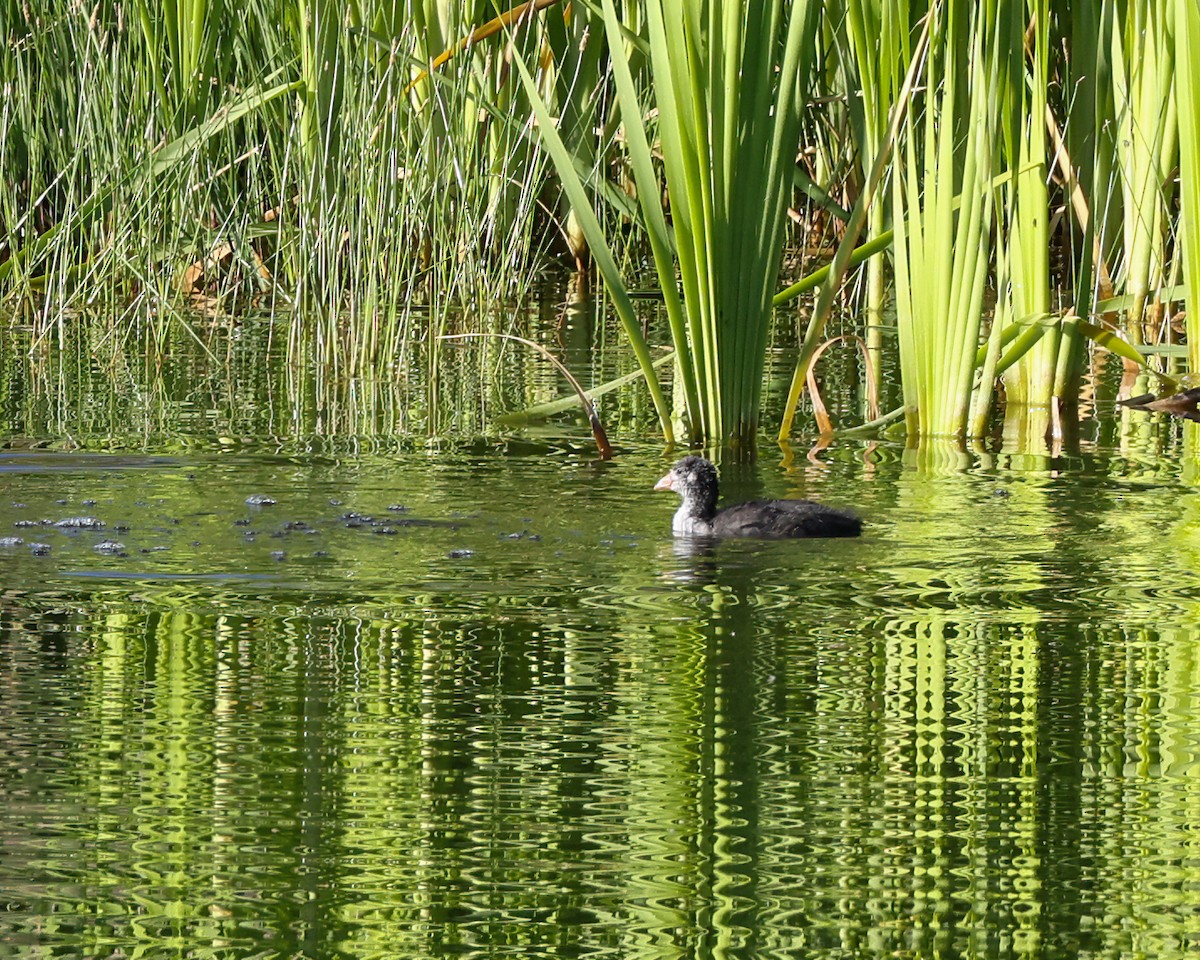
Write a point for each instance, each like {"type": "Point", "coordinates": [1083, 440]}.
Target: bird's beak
{"type": "Point", "coordinates": [667, 482]}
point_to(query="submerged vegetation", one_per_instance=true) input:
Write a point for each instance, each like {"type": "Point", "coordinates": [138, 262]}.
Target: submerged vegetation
{"type": "Point", "coordinates": [383, 175]}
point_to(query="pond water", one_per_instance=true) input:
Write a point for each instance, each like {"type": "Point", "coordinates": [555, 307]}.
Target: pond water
{"type": "Point", "coordinates": [473, 699]}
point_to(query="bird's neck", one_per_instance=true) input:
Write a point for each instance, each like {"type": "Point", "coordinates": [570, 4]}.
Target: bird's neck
{"type": "Point", "coordinates": [692, 519]}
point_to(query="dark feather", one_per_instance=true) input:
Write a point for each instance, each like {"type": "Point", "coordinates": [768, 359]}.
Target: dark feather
{"type": "Point", "coordinates": [785, 518]}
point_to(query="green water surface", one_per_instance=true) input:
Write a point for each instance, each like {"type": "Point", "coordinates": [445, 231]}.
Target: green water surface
{"type": "Point", "coordinates": [474, 700]}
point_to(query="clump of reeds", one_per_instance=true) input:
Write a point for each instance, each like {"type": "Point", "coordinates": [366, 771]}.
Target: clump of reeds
{"type": "Point", "coordinates": [364, 173]}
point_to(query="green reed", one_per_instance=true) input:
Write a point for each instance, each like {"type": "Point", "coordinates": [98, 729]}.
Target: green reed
{"type": "Point", "coordinates": [181, 57]}
{"type": "Point", "coordinates": [1025, 199]}
{"type": "Point", "coordinates": [878, 31]}
{"type": "Point", "coordinates": [1187, 67]}
{"type": "Point", "coordinates": [301, 176]}
{"type": "Point", "coordinates": [727, 84]}
{"type": "Point", "coordinates": [304, 158]}
{"type": "Point", "coordinates": [1025, 294]}
{"type": "Point", "coordinates": [942, 245]}
{"type": "Point", "coordinates": [1146, 145]}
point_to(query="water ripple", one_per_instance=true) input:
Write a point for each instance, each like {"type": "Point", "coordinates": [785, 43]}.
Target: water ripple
{"type": "Point", "coordinates": [971, 732]}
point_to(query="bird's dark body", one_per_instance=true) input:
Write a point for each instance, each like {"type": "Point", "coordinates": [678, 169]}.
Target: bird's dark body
{"type": "Point", "coordinates": [776, 519]}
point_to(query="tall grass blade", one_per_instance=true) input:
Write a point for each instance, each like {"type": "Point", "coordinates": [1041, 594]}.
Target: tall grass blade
{"type": "Point", "coordinates": [614, 282]}
{"type": "Point", "coordinates": [178, 151]}
{"type": "Point", "coordinates": [728, 82]}
{"type": "Point", "coordinates": [1187, 47]}
{"type": "Point", "coordinates": [942, 254]}
{"type": "Point", "coordinates": [879, 35]}
{"type": "Point", "coordinates": [1029, 384]}
{"type": "Point", "coordinates": [1143, 59]}
{"type": "Point", "coordinates": [846, 253]}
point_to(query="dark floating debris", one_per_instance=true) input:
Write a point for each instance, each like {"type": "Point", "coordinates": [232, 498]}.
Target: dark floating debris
{"type": "Point", "coordinates": [260, 500]}
{"type": "Point", "coordinates": [111, 548]}
{"type": "Point", "coordinates": [243, 522]}
{"type": "Point", "coordinates": [390, 525]}
{"type": "Point", "coordinates": [278, 555]}
{"type": "Point", "coordinates": [39, 549]}
{"type": "Point", "coordinates": [460, 554]}
{"type": "Point", "coordinates": [79, 523]}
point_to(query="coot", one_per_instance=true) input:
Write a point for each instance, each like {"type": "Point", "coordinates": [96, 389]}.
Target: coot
{"type": "Point", "coordinates": [695, 479]}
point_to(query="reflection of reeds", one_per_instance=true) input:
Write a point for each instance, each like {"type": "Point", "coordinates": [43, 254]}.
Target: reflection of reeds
{"type": "Point", "coordinates": [235, 386]}
{"type": "Point", "coordinates": [943, 741]}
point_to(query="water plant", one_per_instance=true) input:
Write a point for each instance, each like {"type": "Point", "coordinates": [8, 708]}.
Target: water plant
{"type": "Point", "coordinates": [879, 32]}
{"type": "Point", "coordinates": [364, 172]}
{"type": "Point", "coordinates": [1187, 46]}
{"type": "Point", "coordinates": [230, 134]}
{"type": "Point", "coordinates": [942, 216]}
{"type": "Point", "coordinates": [1145, 145]}
{"type": "Point", "coordinates": [1025, 212]}
{"type": "Point", "coordinates": [727, 82]}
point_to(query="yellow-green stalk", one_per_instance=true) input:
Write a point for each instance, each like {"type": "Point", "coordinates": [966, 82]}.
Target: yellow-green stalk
{"type": "Point", "coordinates": [878, 31]}
{"type": "Point", "coordinates": [1187, 74]}
{"type": "Point", "coordinates": [1029, 384]}
{"type": "Point", "coordinates": [942, 249]}
{"type": "Point", "coordinates": [1143, 62]}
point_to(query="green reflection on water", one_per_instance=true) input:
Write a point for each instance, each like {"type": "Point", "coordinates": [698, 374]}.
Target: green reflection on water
{"type": "Point", "coordinates": [718, 768]}
{"type": "Point", "coordinates": [517, 719]}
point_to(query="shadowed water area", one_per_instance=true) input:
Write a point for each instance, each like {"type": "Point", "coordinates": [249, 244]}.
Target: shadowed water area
{"type": "Point", "coordinates": [472, 699]}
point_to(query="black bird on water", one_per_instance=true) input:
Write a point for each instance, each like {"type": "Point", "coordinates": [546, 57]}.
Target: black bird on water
{"type": "Point", "coordinates": [695, 480]}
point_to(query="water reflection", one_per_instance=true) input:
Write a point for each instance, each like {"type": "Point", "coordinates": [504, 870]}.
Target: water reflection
{"type": "Point", "coordinates": [972, 731]}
